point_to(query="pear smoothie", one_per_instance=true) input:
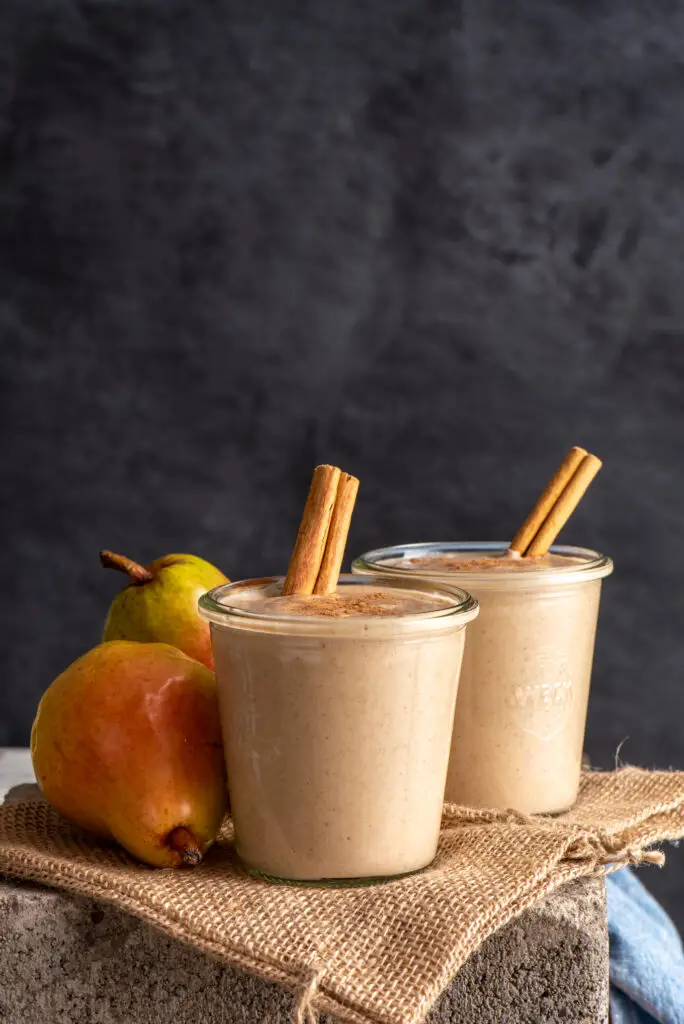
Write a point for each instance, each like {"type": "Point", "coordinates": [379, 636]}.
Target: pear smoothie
{"type": "Point", "coordinates": [337, 698]}
{"type": "Point", "coordinates": [337, 714]}
{"type": "Point", "coordinates": [522, 700]}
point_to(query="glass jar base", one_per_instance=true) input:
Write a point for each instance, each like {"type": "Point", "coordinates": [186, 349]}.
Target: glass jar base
{"type": "Point", "coordinates": [330, 883]}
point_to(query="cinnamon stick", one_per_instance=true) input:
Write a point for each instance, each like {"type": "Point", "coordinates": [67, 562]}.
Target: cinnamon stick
{"type": "Point", "coordinates": [564, 506]}
{"type": "Point", "coordinates": [309, 548]}
{"type": "Point", "coordinates": [547, 499]}
{"type": "Point", "coordinates": [337, 535]}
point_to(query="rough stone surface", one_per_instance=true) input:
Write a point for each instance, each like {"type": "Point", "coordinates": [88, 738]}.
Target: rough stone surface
{"type": "Point", "coordinates": [64, 959]}
{"type": "Point", "coordinates": [547, 966]}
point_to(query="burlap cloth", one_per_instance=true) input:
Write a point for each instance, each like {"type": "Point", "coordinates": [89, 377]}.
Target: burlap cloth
{"type": "Point", "coordinates": [378, 953]}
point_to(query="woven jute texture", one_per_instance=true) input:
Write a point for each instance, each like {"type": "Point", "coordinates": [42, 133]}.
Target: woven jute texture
{"type": "Point", "coordinates": [379, 953]}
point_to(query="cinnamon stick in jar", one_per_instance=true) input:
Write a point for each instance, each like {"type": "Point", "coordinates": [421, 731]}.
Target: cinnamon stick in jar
{"type": "Point", "coordinates": [547, 499]}
{"type": "Point", "coordinates": [309, 548]}
{"type": "Point", "coordinates": [333, 555]}
{"type": "Point", "coordinates": [564, 506]}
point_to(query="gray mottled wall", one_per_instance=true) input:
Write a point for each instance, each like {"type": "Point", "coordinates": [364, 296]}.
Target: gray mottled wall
{"type": "Point", "coordinates": [434, 244]}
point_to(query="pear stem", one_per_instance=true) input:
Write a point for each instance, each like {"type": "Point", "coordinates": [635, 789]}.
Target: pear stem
{"type": "Point", "coordinates": [183, 842]}
{"type": "Point", "coordinates": [138, 573]}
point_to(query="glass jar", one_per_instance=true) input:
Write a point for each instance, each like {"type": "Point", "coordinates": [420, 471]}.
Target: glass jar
{"type": "Point", "coordinates": [337, 729]}
{"type": "Point", "coordinates": [522, 702]}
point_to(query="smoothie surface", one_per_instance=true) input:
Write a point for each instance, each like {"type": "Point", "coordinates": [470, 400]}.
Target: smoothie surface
{"type": "Point", "coordinates": [346, 602]}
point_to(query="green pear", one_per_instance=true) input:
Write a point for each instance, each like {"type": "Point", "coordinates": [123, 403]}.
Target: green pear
{"type": "Point", "coordinates": [159, 605]}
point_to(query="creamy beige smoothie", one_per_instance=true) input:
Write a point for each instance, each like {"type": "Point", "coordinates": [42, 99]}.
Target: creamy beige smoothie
{"type": "Point", "coordinates": [337, 714]}
{"type": "Point", "coordinates": [522, 700]}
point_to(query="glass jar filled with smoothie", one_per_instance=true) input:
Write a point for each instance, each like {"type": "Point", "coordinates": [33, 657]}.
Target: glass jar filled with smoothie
{"type": "Point", "coordinates": [337, 713]}
{"type": "Point", "coordinates": [522, 701]}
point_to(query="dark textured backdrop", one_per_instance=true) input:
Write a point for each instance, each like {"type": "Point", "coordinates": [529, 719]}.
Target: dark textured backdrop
{"type": "Point", "coordinates": [434, 244]}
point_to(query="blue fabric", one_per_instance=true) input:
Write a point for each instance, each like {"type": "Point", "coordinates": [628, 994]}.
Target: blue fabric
{"type": "Point", "coordinates": [646, 956]}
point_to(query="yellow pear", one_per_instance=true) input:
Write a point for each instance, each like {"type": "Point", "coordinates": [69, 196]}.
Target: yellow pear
{"type": "Point", "coordinates": [160, 602]}
{"type": "Point", "coordinates": [127, 743]}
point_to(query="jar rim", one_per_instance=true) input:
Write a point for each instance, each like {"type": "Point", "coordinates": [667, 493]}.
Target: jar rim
{"type": "Point", "coordinates": [461, 605]}
{"type": "Point", "coordinates": [592, 564]}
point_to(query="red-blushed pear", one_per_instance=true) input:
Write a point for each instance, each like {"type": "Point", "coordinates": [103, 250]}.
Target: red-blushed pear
{"type": "Point", "coordinates": [159, 605]}
{"type": "Point", "coordinates": [127, 744]}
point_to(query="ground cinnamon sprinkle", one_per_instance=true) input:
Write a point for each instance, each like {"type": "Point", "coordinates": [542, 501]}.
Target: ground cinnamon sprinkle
{"type": "Point", "coordinates": [455, 562]}
{"type": "Point", "coordinates": [493, 563]}
{"type": "Point", "coordinates": [375, 603]}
